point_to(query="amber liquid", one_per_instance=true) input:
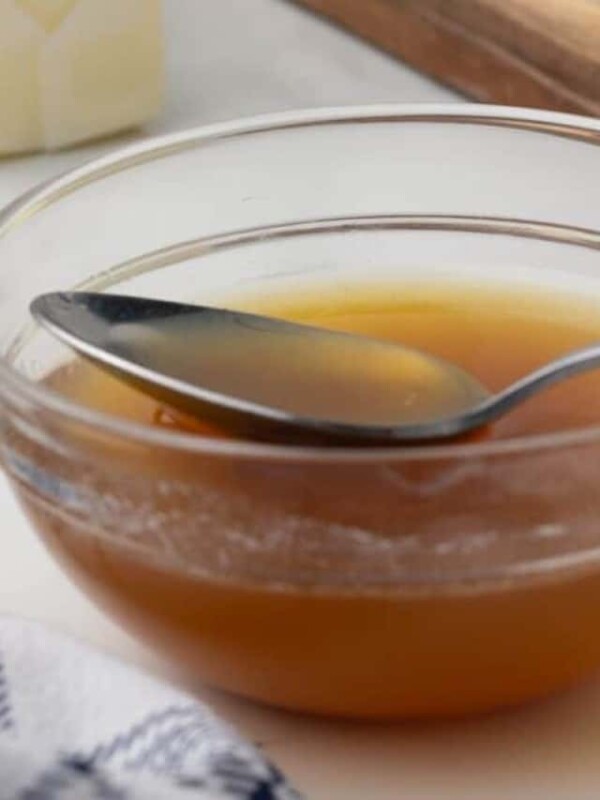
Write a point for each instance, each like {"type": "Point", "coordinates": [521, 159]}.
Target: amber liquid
{"type": "Point", "coordinates": [340, 638]}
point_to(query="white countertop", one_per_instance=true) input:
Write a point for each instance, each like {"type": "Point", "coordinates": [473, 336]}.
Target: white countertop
{"type": "Point", "coordinates": [230, 58]}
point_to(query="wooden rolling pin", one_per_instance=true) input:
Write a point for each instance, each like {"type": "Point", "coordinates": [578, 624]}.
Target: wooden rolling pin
{"type": "Point", "coordinates": [541, 53]}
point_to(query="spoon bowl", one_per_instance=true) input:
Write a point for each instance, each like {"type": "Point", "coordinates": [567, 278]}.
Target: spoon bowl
{"type": "Point", "coordinates": [267, 375]}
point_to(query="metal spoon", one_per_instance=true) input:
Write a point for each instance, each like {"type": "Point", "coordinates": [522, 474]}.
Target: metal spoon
{"type": "Point", "coordinates": [280, 379]}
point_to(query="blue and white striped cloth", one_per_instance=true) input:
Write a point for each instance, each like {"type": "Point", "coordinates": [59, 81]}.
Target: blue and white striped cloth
{"type": "Point", "coordinates": [76, 725]}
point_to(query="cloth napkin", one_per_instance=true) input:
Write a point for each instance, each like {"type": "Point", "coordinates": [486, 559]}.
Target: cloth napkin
{"type": "Point", "coordinates": [77, 725]}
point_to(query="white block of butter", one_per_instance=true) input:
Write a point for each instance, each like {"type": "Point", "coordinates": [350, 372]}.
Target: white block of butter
{"type": "Point", "coordinates": [72, 70]}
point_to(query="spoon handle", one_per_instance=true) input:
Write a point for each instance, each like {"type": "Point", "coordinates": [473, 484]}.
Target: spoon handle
{"type": "Point", "coordinates": [569, 365]}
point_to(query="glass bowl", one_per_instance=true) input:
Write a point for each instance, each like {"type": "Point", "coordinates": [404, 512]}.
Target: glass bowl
{"type": "Point", "coordinates": [367, 583]}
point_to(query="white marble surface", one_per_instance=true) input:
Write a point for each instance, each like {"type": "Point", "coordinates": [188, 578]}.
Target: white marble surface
{"type": "Point", "coordinates": [229, 58]}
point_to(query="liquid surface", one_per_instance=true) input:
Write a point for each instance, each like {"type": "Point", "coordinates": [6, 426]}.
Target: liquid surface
{"type": "Point", "coordinates": [496, 334]}
{"type": "Point", "coordinates": [378, 588]}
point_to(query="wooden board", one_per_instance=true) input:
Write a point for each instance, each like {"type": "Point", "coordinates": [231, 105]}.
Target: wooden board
{"type": "Point", "coordinates": [540, 53]}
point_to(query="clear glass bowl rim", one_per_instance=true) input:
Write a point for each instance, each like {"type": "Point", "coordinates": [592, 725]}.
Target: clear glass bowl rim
{"type": "Point", "coordinates": [17, 386]}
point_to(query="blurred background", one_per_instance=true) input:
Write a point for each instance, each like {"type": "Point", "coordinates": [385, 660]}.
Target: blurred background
{"type": "Point", "coordinates": [232, 58]}
{"type": "Point", "coordinates": [184, 63]}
